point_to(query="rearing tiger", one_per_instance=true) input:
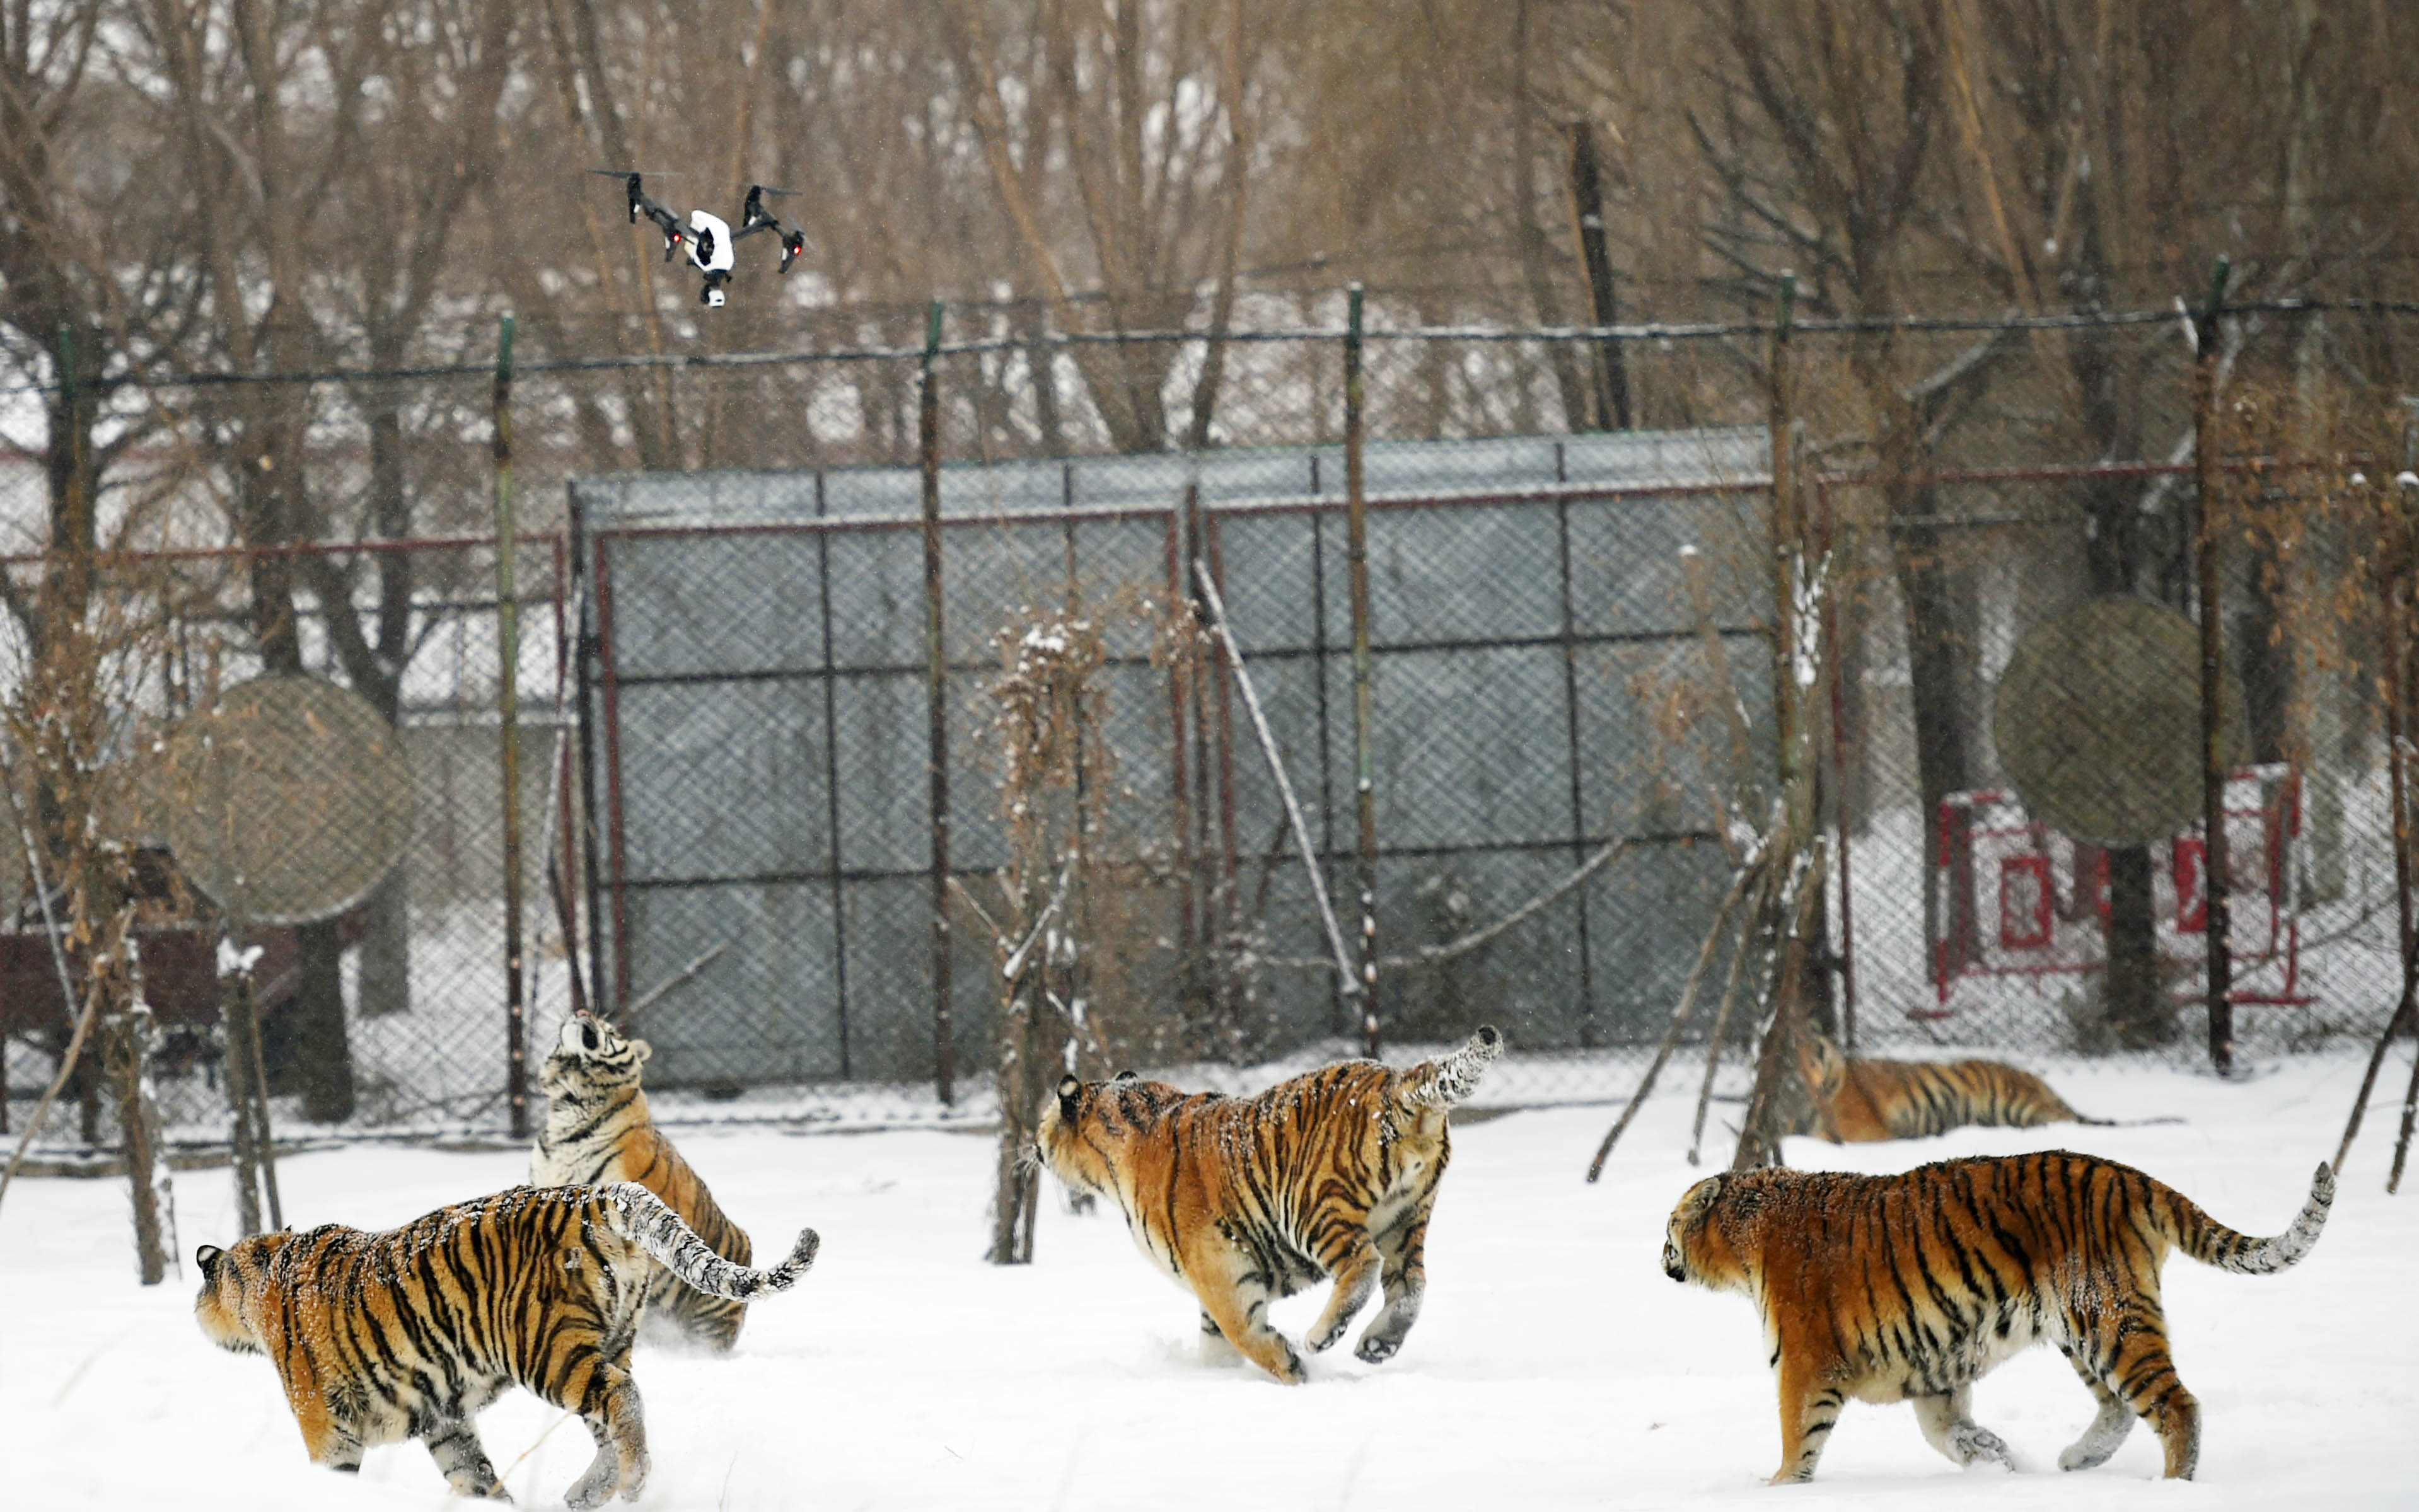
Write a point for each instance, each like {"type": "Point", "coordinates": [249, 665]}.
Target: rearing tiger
{"type": "Point", "coordinates": [597, 1130]}
{"type": "Point", "coordinates": [1248, 1200]}
{"type": "Point", "coordinates": [1911, 1287]}
{"type": "Point", "coordinates": [409, 1333]}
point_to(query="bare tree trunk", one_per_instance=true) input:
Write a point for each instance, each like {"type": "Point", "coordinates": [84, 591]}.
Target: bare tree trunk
{"type": "Point", "coordinates": [125, 1050]}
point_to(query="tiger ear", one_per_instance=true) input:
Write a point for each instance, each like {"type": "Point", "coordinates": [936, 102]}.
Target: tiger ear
{"type": "Point", "coordinates": [1128, 1075]}
{"type": "Point", "coordinates": [208, 1255]}
{"type": "Point", "coordinates": [642, 1049]}
{"type": "Point", "coordinates": [1069, 1087]}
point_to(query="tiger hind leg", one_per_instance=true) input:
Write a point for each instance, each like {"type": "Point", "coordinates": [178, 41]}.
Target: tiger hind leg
{"type": "Point", "coordinates": [2107, 1430]}
{"type": "Point", "coordinates": [2128, 1351]}
{"type": "Point", "coordinates": [462, 1461]}
{"type": "Point", "coordinates": [618, 1424]}
{"type": "Point", "coordinates": [1949, 1425]}
{"type": "Point", "coordinates": [1401, 1247]}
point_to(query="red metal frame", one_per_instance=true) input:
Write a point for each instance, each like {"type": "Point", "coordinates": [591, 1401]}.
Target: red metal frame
{"type": "Point", "coordinates": [2028, 923]}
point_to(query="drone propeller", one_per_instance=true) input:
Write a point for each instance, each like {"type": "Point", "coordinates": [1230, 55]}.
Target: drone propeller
{"type": "Point", "coordinates": [675, 235]}
{"type": "Point", "coordinates": [753, 213]}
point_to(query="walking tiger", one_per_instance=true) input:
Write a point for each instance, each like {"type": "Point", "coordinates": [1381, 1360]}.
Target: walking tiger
{"type": "Point", "coordinates": [1913, 1287]}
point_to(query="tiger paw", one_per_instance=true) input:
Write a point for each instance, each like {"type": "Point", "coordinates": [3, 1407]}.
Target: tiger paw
{"type": "Point", "coordinates": [1377, 1348]}
{"type": "Point", "coordinates": [1325, 1338]}
{"type": "Point", "coordinates": [1980, 1445]}
{"type": "Point", "coordinates": [596, 1486]}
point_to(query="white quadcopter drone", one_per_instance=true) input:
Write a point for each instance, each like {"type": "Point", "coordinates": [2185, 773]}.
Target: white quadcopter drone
{"type": "Point", "coordinates": [708, 236]}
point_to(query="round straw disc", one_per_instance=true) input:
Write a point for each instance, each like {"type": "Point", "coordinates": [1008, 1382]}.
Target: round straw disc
{"type": "Point", "coordinates": [286, 802]}
{"type": "Point", "coordinates": [2098, 722]}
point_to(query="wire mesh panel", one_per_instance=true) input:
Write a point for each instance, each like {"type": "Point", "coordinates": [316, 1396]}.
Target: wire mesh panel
{"type": "Point", "coordinates": [2020, 768]}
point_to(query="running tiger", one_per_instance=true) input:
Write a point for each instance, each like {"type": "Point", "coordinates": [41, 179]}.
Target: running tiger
{"type": "Point", "coordinates": [1857, 1101]}
{"type": "Point", "coordinates": [1913, 1287]}
{"type": "Point", "coordinates": [1248, 1200]}
{"type": "Point", "coordinates": [410, 1333]}
{"type": "Point", "coordinates": [597, 1130]}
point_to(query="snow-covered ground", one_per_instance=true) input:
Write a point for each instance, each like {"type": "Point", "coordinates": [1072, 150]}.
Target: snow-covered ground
{"type": "Point", "coordinates": [1554, 1366]}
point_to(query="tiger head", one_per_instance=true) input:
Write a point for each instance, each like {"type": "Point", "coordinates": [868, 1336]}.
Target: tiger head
{"type": "Point", "coordinates": [1821, 1063]}
{"type": "Point", "coordinates": [1712, 1230]}
{"type": "Point", "coordinates": [593, 1051]}
{"type": "Point", "coordinates": [231, 1280]}
{"type": "Point", "coordinates": [1086, 1127]}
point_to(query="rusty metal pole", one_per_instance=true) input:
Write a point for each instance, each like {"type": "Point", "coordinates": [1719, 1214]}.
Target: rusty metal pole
{"type": "Point", "coordinates": [1365, 787]}
{"type": "Point", "coordinates": [2214, 916]}
{"type": "Point", "coordinates": [928, 428]}
{"type": "Point", "coordinates": [508, 650]}
{"type": "Point", "coordinates": [1587, 198]}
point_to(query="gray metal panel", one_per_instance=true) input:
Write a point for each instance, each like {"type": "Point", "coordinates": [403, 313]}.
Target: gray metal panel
{"type": "Point", "coordinates": [745, 794]}
{"type": "Point", "coordinates": [766, 1009]}
{"type": "Point", "coordinates": [1627, 572]}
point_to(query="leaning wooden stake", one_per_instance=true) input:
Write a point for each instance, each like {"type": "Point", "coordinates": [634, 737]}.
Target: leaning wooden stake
{"type": "Point", "coordinates": [1721, 1022]}
{"type": "Point", "coordinates": [1680, 1016]}
{"type": "Point", "coordinates": [1350, 985]}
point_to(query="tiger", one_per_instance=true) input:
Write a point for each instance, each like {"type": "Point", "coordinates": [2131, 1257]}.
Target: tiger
{"type": "Point", "coordinates": [597, 1129]}
{"type": "Point", "coordinates": [1856, 1101]}
{"type": "Point", "coordinates": [1248, 1200]}
{"type": "Point", "coordinates": [410, 1333]}
{"type": "Point", "coordinates": [1911, 1287]}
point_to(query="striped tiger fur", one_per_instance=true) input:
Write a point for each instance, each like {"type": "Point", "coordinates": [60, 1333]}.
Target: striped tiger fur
{"type": "Point", "coordinates": [1911, 1287]}
{"type": "Point", "coordinates": [1248, 1200]}
{"type": "Point", "coordinates": [409, 1333]}
{"type": "Point", "coordinates": [1854, 1100]}
{"type": "Point", "coordinates": [597, 1130]}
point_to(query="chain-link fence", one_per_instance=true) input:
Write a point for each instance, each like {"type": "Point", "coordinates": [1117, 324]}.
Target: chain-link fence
{"type": "Point", "coordinates": [353, 839]}
{"type": "Point", "coordinates": [1562, 638]}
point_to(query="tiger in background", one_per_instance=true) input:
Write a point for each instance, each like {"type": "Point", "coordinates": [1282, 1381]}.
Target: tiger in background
{"type": "Point", "coordinates": [1911, 1287]}
{"type": "Point", "coordinates": [410, 1333]}
{"type": "Point", "coordinates": [597, 1130]}
{"type": "Point", "coordinates": [1249, 1200]}
{"type": "Point", "coordinates": [1854, 1100]}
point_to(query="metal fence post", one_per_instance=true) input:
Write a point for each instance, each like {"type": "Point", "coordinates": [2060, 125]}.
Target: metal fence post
{"type": "Point", "coordinates": [1363, 761]}
{"type": "Point", "coordinates": [1587, 196]}
{"type": "Point", "coordinates": [1589, 1038]}
{"type": "Point", "coordinates": [831, 778]}
{"type": "Point", "coordinates": [508, 712]}
{"type": "Point", "coordinates": [2216, 921]}
{"type": "Point", "coordinates": [928, 427]}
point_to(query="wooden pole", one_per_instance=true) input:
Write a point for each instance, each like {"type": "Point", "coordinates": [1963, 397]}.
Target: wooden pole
{"type": "Point", "coordinates": [1365, 787]}
{"type": "Point", "coordinates": [928, 430]}
{"type": "Point", "coordinates": [1587, 197]}
{"type": "Point", "coordinates": [2215, 914]}
{"type": "Point", "coordinates": [508, 715]}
